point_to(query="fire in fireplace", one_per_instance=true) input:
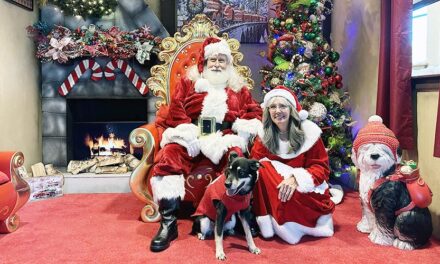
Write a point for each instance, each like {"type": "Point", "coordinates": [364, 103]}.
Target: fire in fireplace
{"type": "Point", "coordinates": [105, 146]}
{"type": "Point", "coordinates": [101, 127]}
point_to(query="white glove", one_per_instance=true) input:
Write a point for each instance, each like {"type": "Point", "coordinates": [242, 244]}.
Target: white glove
{"type": "Point", "coordinates": [244, 135]}
{"type": "Point", "coordinates": [193, 148]}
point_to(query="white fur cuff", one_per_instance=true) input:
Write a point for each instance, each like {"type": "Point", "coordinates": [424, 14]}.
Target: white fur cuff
{"type": "Point", "coordinates": [251, 126]}
{"type": "Point", "coordinates": [179, 134]}
{"type": "Point", "coordinates": [216, 145]}
{"type": "Point", "coordinates": [304, 180]}
{"type": "Point", "coordinates": [168, 187]}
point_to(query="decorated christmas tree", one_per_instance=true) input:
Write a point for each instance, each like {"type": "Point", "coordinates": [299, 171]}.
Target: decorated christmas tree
{"type": "Point", "coordinates": [302, 60]}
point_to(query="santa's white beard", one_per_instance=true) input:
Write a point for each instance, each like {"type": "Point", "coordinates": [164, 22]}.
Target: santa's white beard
{"type": "Point", "coordinates": [217, 78]}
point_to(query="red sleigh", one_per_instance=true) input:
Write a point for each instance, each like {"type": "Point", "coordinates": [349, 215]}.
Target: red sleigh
{"type": "Point", "coordinates": [14, 191]}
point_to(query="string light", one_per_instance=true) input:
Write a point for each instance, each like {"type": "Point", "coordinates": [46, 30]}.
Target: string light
{"type": "Point", "coordinates": [85, 8]}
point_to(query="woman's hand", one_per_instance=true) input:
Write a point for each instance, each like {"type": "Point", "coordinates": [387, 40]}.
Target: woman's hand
{"type": "Point", "coordinates": [287, 187]}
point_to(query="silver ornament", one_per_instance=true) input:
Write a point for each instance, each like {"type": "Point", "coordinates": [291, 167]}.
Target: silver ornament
{"type": "Point", "coordinates": [317, 112]}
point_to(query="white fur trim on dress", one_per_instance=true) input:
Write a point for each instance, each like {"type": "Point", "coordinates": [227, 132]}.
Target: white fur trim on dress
{"type": "Point", "coordinates": [251, 126]}
{"type": "Point", "coordinates": [168, 187]}
{"type": "Point", "coordinates": [302, 176]}
{"type": "Point", "coordinates": [214, 105]}
{"type": "Point", "coordinates": [312, 133]}
{"type": "Point", "coordinates": [181, 134]}
{"type": "Point", "coordinates": [215, 145]}
{"type": "Point", "coordinates": [236, 82]}
{"type": "Point", "coordinates": [336, 192]}
{"type": "Point", "coordinates": [292, 232]}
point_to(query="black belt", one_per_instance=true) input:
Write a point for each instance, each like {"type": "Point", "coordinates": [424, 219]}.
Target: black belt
{"type": "Point", "coordinates": [208, 125]}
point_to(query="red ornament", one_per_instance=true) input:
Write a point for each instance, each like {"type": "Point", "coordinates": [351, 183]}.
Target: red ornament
{"type": "Point", "coordinates": [331, 80]}
{"type": "Point", "coordinates": [338, 78]}
{"type": "Point", "coordinates": [339, 85]}
{"type": "Point", "coordinates": [324, 84]}
{"type": "Point", "coordinates": [304, 26]}
{"type": "Point", "coordinates": [294, 30]}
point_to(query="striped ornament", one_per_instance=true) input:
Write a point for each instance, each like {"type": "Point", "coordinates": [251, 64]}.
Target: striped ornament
{"type": "Point", "coordinates": [74, 76]}
{"type": "Point", "coordinates": [128, 71]}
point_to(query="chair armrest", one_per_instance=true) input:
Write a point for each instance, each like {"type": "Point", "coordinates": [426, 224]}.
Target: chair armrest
{"type": "Point", "coordinates": [147, 138]}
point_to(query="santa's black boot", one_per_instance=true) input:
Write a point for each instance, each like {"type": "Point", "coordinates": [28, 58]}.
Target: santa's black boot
{"type": "Point", "coordinates": [168, 224]}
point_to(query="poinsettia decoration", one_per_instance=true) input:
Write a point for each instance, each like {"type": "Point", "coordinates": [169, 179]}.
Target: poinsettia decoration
{"type": "Point", "coordinates": [62, 44]}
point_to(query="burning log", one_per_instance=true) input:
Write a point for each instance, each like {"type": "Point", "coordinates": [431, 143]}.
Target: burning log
{"type": "Point", "coordinates": [112, 169]}
{"type": "Point", "coordinates": [77, 166]}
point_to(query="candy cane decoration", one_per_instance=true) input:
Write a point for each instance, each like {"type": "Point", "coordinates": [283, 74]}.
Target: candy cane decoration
{"type": "Point", "coordinates": [128, 71]}
{"type": "Point", "coordinates": [74, 76]}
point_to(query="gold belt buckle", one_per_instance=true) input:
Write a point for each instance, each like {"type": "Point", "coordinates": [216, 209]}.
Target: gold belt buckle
{"type": "Point", "coordinates": [206, 125]}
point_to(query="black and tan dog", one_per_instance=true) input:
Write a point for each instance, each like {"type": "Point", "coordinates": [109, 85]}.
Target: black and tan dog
{"type": "Point", "coordinates": [228, 194]}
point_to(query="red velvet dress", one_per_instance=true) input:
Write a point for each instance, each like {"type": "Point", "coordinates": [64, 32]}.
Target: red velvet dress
{"type": "Point", "coordinates": [310, 200]}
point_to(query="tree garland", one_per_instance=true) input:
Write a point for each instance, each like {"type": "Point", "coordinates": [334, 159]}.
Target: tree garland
{"type": "Point", "coordinates": [84, 8]}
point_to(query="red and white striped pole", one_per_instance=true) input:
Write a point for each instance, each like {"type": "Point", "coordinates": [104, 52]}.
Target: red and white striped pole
{"type": "Point", "coordinates": [74, 76]}
{"type": "Point", "coordinates": [128, 71]}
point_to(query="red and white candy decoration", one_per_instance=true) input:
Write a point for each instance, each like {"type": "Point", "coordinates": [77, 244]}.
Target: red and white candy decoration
{"type": "Point", "coordinates": [74, 76]}
{"type": "Point", "coordinates": [128, 71]}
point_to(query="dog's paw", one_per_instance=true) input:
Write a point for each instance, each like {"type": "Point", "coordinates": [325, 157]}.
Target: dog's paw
{"type": "Point", "coordinates": [363, 227]}
{"type": "Point", "coordinates": [403, 244]}
{"type": "Point", "coordinates": [220, 255]}
{"type": "Point", "coordinates": [378, 238]}
{"type": "Point", "coordinates": [255, 251]}
{"type": "Point", "coordinates": [200, 236]}
{"type": "Point", "coordinates": [229, 232]}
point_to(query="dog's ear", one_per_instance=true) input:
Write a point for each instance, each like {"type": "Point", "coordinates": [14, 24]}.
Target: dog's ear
{"type": "Point", "coordinates": [254, 165]}
{"type": "Point", "coordinates": [399, 154]}
{"type": "Point", "coordinates": [232, 156]}
{"type": "Point", "coordinates": [353, 157]}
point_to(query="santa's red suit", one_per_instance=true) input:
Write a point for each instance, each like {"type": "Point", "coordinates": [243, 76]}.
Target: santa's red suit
{"type": "Point", "coordinates": [217, 191]}
{"type": "Point", "coordinates": [195, 97]}
{"type": "Point", "coordinates": [311, 199]}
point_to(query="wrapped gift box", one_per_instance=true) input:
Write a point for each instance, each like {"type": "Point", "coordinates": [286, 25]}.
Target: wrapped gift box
{"type": "Point", "coordinates": [46, 187]}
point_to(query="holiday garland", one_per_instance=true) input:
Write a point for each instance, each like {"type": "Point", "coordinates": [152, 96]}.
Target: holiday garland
{"type": "Point", "coordinates": [84, 8]}
{"type": "Point", "coordinates": [61, 44]}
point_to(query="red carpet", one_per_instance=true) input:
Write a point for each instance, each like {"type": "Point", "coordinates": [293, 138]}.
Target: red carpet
{"type": "Point", "coordinates": [104, 228]}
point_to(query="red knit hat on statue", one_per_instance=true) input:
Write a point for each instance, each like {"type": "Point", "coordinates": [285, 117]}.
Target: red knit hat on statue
{"type": "Point", "coordinates": [376, 132]}
{"type": "Point", "coordinates": [213, 46]}
{"type": "Point", "coordinates": [287, 94]}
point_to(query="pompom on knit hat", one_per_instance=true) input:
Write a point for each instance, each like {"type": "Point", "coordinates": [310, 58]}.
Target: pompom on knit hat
{"type": "Point", "coordinates": [376, 132]}
{"type": "Point", "coordinates": [213, 46]}
{"type": "Point", "coordinates": [286, 93]}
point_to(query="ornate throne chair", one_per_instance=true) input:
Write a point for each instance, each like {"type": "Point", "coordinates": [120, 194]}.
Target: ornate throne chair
{"type": "Point", "coordinates": [178, 54]}
{"type": "Point", "coordinates": [14, 191]}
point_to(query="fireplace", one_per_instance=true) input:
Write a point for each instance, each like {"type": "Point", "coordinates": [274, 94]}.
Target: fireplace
{"type": "Point", "coordinates": [99, 127]}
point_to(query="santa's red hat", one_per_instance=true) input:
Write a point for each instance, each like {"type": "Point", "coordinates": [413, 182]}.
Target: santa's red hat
{"type": "Point", "coordinates": [286, 93]}
{"type": "Point", "coordinates": [376, 132]}
{"type": "Point", "coordinates": [210, 47]}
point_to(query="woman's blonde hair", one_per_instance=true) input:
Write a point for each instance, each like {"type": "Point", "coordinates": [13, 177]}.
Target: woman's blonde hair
{"type": "Point", "coordinates": [296, 135]}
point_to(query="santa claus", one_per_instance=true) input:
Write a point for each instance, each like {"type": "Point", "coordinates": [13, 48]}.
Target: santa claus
{"type": "Point", "coordinates": [211, 113]}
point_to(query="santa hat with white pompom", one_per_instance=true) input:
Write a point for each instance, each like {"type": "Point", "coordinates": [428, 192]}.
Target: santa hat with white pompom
{"type": "Point", "coordinates": [376, 132]}
{"type": "Point", "coordinates": [286, 93]}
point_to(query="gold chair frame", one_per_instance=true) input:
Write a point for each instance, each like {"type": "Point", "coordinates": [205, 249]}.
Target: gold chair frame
{"type": "Point", "coordinates": [199, 28]}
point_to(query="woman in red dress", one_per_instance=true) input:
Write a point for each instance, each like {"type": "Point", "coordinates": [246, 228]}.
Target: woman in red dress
{"type": "Point", "coordinates": [292, 196]}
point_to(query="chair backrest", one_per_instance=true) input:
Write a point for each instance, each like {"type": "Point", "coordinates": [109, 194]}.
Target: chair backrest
{"type": "Point", "coordinates": [180, 52]}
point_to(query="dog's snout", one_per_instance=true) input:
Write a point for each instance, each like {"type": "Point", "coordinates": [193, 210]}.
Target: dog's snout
{"type": "Point", "coordinates": [374, 156]}
{"type": "Point", "coordinates": [228, 184]}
